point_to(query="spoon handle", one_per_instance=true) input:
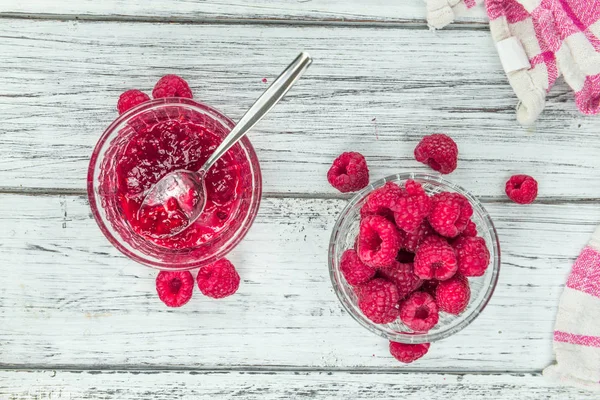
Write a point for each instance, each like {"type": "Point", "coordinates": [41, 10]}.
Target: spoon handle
{"type": "Point", "coordinates": [262, 106]}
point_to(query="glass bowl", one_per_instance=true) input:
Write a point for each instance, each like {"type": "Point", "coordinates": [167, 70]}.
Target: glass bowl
{"type": "Point", "coordinates": [102, 182]}
{"type": "Point", "coordinates": [482, 288]}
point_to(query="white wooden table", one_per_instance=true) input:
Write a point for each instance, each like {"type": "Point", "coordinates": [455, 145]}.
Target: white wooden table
{"type": "Point", "coordinates": [80, 321]}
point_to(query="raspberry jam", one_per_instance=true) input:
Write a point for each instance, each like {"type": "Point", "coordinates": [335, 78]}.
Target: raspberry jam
{"type": "Point", "coordinates": [150, 148]}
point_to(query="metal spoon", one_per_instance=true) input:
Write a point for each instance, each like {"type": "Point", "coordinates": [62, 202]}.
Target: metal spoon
{"type": "Point", "coordinates": [179, 183]}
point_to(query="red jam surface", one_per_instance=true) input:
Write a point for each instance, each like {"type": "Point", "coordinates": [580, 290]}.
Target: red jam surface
{"type": "Point", "coordinates": [153, 151]}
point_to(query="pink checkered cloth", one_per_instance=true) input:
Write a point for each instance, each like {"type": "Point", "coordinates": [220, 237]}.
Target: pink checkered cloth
{"type": "Point", "coordinates": [538, 41]}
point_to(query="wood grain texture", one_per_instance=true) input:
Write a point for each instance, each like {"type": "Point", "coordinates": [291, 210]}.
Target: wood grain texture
{"type": "Point", "coordinates": [284, 10]}
{"type": "Point", "coordinates": [377, 91]}
{"type": "Point", "coordinates": [69, 299]}
{"type": "Point", "coordinates": [257, 385]}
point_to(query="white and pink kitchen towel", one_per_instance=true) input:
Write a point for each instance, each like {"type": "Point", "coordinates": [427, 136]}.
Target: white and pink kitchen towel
{"type": "Point", "coordinates": [538, 41]}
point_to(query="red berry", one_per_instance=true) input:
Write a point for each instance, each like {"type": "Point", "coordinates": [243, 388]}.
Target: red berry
{"type": "Point", "coordinates": [522, 189]}
{"type": "Point", "coordinates": [419, 312]}
{"type": "Point", "coordinates": [403, 276]}
{"type": "Point", "coordinates": [355, 271]}
{"type": "Point", "coordinates": [452, 296]}
{"type": "Point", "coordinates": [171, 86]}
{"type": "Point", "coordinates": [470, 230]}
{"type": "Point", "coordinates": [472, 255]}
{"type": "Point", "coordinates": [413, 208]}
{"type": "Point", "coordinates": [378, 301]}
{"type": "Point", "coordinates": [435, 259]}
{"type": "Point", "coordinates": [130, 99]}
{"type": "Point", "coordinates": [378, 241]}
{"type": "Point", "coordinates": [450, 213]}
{"type": "Point", "coordinates": [174, 288]}
{"type": "Point", "coordinates": [382, 201]}
{"type": "Point", "coordinates": [218, 280]}
{"type": "Point", "coordinates": [438, 151]}
{"type": "Point", "coordinates": [349, 172]}
{"type": "Point", "coordinates": [413, 240]}
{"type": "Point", "coordinates": [408, 353]}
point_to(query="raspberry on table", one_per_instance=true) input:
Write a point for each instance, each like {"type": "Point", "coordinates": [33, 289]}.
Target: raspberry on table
{"type": "Point", "coordinates": [435, 259]}
{"type": "Point", "coordinates": [413, 207]}
{"type": "Point", "coordinates": [450, 214]}
{"type": "Point", "coordinates": [349, 172]}
{"type": "Point", "coordinates": [382, 201]}
{"type": "Point", "coordinates": [355, 271]}
{"type": "Point", "coordinates": [408, 353]}
{"type": "Point", "coordinates": [438, 151]}
{"type": "Point", "coordinates": [419, 312]}
{"type": "Point", "coordinates": [171, 86]}
{"type": "Point", "coordinates": [378, 241]}
{"type": "Point", "coordinates": [472, 255]}
{"type": "Point", "coordinates": [130, 99]}
{"type": "Point", "coordinates": [522, 189]}
{"type": "Point", "coordinates": [174, 288]}
{"type": "Point", "coordinates": [219, 279]}
{"type": "Point", "coordinates": [378, 301]}
{"type": "Point", "coordinates": [414, 239]}
{"type": "Point", "coordinates": [453, 295]}
{"type": "Point", "coordinates": [401, 275]}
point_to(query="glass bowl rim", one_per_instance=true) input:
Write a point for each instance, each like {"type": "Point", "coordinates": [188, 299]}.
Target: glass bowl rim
{"type": "Point", "coordinates": [414, 338]}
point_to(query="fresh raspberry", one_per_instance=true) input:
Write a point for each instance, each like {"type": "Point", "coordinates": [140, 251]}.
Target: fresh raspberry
{"type": "Point", "coordinates": [522, 189]}
{"type": "Point", "coordinates": [403, 276]}
{"type": "Point", "coordinates": [413, 208]}
{"type": "Point", "coordinates": [452, 296]}
{"type": "Point", "coordinates": [218, 280]}
{"type": "Point", "coordinates": [438, 151]}
{"type": "Point", "coordinates": [419, 312]}
{"type": "Point", "coordinates": [435, 259]}
{"type": "Point", "coordinates": [405, 257]}
{"type": "Point", "coordinates": [378, 241]}
{"type": "Point", "coordinates": [174, 288]}
{"type": "Point", "coordinates": [413, 240]}
{"type": "Point", "coordinates": [349, 172]}
{"type": "Point", "coordinates": [470, 230]}
{"type": "Point", "coordinates": [171, 86]}
{"type": "Point", "coordinates": [355, 271]}
{"type": "Point", "coordinates": [408, 353]}
{"type": "Point", "coordinates": [472, 255]}
{"type": "Point", "coordinates": [429, 286]}
{"type": "Point", "coordinates": [450, 213]}
{"type": "Point", "coordinates": [378, 300]}
{"type": "Point", "coordinates": [382, 201]}
{"type": "Point", "coordinates": [130, 99]}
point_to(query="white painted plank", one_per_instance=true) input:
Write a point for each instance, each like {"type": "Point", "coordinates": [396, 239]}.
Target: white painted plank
{"type": "Point", "coordinates": [68, 298]}
{"type": "Point", "coordinates": [377, 91]}
{"type": "Point", "coordinates": [312, 10]}
{"type": "Point", "coordinates": [257, 385]}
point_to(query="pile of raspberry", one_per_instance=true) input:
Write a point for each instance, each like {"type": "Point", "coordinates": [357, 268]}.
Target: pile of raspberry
{"type": "Point", "coordinates": [217, 280]}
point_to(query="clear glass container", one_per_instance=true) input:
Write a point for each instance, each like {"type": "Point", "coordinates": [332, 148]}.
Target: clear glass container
{"type": "Point", "coordinates": [343, 238]}
{"type": "Point", "coordinates": [102, 179]}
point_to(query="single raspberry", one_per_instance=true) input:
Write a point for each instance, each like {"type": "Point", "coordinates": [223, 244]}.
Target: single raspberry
{"type": "Point", "coordinates": [522, 189]}
{"type": "Point", "coordinates": [452, 296]}
{"type": "Point", "coordinates": [382, 201]}
{"type": "Point", "coordinates": [171, 86]}
{"type": "Point", "coordinates": [472, 255]}
{"type": "Point", "coordinates": [435, 259]}
{"type": "Point", "coordinates": [408, 353]}
{"type": "Point", "coordinates": [419, 312]}
{"type": "Point", "coordinates": [429, 286]}
{"type": "Point", "coordinates": [218, 280]}
{"type": "Point", "coordinates": [438, 151]}
{"type": "Point", "coordinates": [413, 208]}
{"type": "Point", "coordinates": [349, 172]}
{"type": "Point", "coordinates": [403, 276]}
{"type": "Point", "coordinates": [378, 241]}
{"type": "Point", "coordinates": [413, 240]}
{"type": "Point", "coordinates": [130, 99]}
{"type": "Point", "coordinates": [450, 213]}
{"type": "Point", "coordinates": [355, 271]}
{"type": "Point", "coordinates": [405, 257]}
{"type": "Point", "coordinates": [378, 300]}
{"type": "Point", "coordinates": [174, 288]}
{"type": "Point", "coordinates": [470, 230]}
